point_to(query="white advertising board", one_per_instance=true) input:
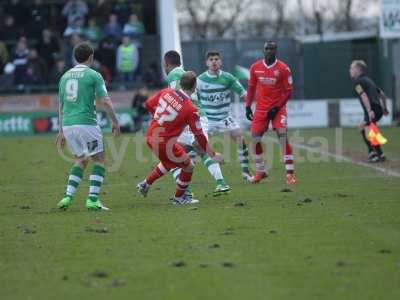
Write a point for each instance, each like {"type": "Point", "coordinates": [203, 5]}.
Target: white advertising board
{"type": "Point", "coordinates": [351, 113]}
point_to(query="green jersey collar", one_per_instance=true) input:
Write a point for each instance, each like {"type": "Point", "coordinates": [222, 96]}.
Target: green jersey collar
{"type": "Point", "coordinates": [212, 75]}
{"type": "Point", "coordinates": [81, 66]}
{"type": "Point", "coordinates": [176, 68]}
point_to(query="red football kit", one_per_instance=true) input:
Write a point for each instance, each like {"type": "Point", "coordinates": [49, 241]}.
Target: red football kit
{"type": "Point", "coordinates": [272, 87]}
{"type": "Point", "coordinates": [172, 111]}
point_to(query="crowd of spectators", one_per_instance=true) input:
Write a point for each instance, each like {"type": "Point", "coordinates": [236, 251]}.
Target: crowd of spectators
{"type": "Point", "coordinates": [37, 39]}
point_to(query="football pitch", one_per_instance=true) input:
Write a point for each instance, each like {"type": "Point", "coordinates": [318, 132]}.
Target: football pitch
{"type": "Point", "coordinates": [334, 235]}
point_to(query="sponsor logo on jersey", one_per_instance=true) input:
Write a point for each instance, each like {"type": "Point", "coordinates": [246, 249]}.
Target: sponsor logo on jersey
{"type": "Point", "coordinates": [267, 80]}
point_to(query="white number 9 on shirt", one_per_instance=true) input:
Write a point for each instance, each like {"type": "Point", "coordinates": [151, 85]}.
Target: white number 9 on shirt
{"type": "Point", "coordinates": [71, 89]}
{"type": "Point", "coordinates": [164, 112]}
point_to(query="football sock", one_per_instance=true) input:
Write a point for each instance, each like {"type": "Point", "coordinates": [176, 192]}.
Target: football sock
{"type": "Point", "coordinates": [378, 150]}
{"type": "Point", "coordinates": [182, 183]}
{"type": "Point", "coordinates": [74, 178]}
{"type": "Point", "coordinates": [214, 169]}
{"type": "Point", "coordinates": [258, 158]}
{"type": "Point", "coordinates": [96, 180]}
{"type": "Point", "coordinates": [243, 155]}
{"type": "Point", "coordinates": [156, 173]}
{"type": "Point", "coordinates": [369, 146]}
{"type": "Point", "coordinates": [175, 173]}
{"type": "Point", "coordinates": [288, 159]}
{"type": "Point", "coordinates": [192, 155]}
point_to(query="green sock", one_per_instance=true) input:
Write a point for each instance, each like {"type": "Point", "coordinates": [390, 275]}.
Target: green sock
{"type": "Point", "coordinates": [214, 169]}
{"type": "Point", "coordinates": [243, 155]}
{"type": "Point", "coordinates": [96, 179]}
{"type": "Point", "coordinates": [74, 178]}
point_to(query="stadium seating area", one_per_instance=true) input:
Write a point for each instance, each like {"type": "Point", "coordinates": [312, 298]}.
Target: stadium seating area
{"type": "Point", "coordinates": [37, 38]}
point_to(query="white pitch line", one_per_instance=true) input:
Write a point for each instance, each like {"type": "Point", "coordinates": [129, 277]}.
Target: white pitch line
{"type": "Point", "coordinates": [338, 157]}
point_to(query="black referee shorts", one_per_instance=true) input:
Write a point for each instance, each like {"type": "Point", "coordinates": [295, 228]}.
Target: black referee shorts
{"type": "Point", "coordinates": [378, 114]}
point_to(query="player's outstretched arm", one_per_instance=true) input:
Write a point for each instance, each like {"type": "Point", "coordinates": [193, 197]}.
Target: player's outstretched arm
{"type": "Point", "coordinates": [106, 104]}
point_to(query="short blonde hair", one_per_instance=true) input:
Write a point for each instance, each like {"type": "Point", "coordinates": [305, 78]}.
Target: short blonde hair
{"type": "Point", "coordinates": [360, 64]}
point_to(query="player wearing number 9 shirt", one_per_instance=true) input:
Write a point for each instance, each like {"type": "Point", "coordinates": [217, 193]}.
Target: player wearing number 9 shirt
{"type": "Point", "coordinates": [81, 89]}
{"type": "Point", "coordinates": [172, 111]}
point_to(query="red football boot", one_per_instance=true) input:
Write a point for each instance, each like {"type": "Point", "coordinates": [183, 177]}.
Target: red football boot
{"type": "Point", "coordinates": [290, 179]}
{"type": "Point", "coordinates": [260, 175]}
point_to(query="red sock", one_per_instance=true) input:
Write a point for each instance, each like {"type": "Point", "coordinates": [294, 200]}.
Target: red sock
{"type": "Point", "coordinates": [156, 173]}
{"type": "Point", "coordinates": [288, 159]}
{"type": "Point", "coordinates": [182, 183]}
{"type": "Point", "coordinates": [258, 159]}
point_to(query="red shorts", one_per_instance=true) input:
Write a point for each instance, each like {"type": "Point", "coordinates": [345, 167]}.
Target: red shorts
{"type": "Point", "coordinates": [260, 122]}
{"type": "Point", "coordinates": [171, 155]}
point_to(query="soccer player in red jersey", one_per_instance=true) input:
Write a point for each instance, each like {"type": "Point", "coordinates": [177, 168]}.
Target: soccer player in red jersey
{"type": "Point", "coordinates": [271, 84]}
{"type": "Point", "coordinates": [172, 111]}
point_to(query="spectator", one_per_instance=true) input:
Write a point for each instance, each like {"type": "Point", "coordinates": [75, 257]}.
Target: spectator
{"type": "Point", "coordinates": [123, 9]}
{"type": "Point", "coordinates": [10, 30]}
{"type": "Point", "coordinates": [38, 16]}
{"type": "Point", "coordinates": [48, 47]}
{"type": "Point", "coordinates": [58, 70]}
{"type": "Point", "coordinates": [3, 56]}
{"type": "Point", "coordinates": [134, 28]}
{"type": "Point", "coordinates": [75, 28]}
{"type": "Point", "coordinates": [36, 69]}
{"type": "Point", "coordinates": [127, 59]}
{"type": "Point", "coordinates": [152, 76]}
{"type": "Point", "coordinates": [113, 28]}
{"type": "Point", "coordinates": [139, 110]}
{"type": "Point", "coordinates": [17, 9]}
{"type": "Point", "coordinates": [75, 9]}
{"type": "Point", "coordinates": [93, 32]}
{"type": "Point", "coordinates": [19, 58]}
{"type": "Point", "coordinates": [102, 10]}
{"type": "Point", "coordinates": [7, 79]}
{"type": "Point", "coordinates": [105, 55]}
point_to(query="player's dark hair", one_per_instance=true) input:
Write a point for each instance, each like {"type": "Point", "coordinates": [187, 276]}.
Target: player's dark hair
{"type": "Point", "coordinates": [271, 42]}
{"type": "Point", "coordinates": [361, 65]}
{"type": "Point", "coordinates": [82, 52]}
{"type": "Point", "coordinates": [173, 58]}
{"type": "Point", "coordinates": [213, 53]}
{"type": "Point", "coordinates": [188, 80]}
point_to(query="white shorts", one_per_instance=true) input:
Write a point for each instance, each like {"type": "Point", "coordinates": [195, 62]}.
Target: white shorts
{"type": "Point", "coordinates": [187, 137]}
{"type": "Point", "coordinates": [227, 124]}
{"type": "Point", "coordinates": [84, 140]}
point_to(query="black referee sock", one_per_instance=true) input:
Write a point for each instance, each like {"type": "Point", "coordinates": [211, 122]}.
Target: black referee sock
{"type": "Point", "coordinates": [370, 148]}
{"type": "Point", "coordinates": [378, 150]}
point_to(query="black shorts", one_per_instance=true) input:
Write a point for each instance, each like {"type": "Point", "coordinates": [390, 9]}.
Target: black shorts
{"type": "Point", "coordinates": [378, 114]}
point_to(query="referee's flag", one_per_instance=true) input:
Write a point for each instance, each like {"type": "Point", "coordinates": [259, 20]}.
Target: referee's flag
{"type": "Point", "coordinates": [375, 136]}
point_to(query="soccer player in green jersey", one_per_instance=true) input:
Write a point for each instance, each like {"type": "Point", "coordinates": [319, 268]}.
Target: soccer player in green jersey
{"type": "Point", "coordinates": [214, 89]}
{"type": "Point", "coordinates": [81, 89]}
{"type": "Point", "coordinates": [174, 70]}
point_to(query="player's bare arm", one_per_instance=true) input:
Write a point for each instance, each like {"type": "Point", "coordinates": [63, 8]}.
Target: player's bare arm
{"type": "Point", "coordinates": [106, 104]}
{"type": "Point", "coordinates": [366, 102]}
{"type": "Point", "coordinates": [382, 100]}
{"type": "Point", "coordinates": [60, 139]}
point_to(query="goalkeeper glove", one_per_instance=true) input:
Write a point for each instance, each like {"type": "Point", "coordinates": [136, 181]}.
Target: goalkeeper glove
{"type": "Point", "coordinates": [272, 113]}
{"type": "Point", "coordinates": [249, 113]}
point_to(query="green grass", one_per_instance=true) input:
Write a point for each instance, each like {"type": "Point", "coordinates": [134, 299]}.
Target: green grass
{"type": "Point", "coordinates": [344, 244]}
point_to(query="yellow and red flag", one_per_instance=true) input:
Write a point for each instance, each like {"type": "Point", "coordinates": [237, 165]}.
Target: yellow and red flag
{"type": "Point", "coordinates": [375, 136]}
